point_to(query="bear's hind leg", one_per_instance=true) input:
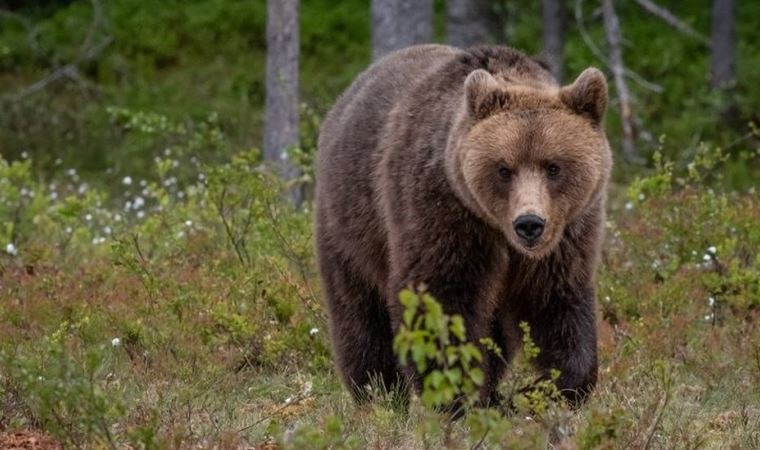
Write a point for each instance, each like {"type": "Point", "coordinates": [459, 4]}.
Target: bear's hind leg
{"type": "Point", "coordinates": [360, 332]}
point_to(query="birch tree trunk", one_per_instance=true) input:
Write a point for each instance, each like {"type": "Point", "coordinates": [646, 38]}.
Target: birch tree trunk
{"type": "Point", "coordinates": [281, 120]}
{"type": "Point", "coordinates": [723, 44]}
{"type": "Point", "coordinates": [471, 22]}
{"type": "Point", "coordinates": [613, 35]}
{"type": "Point", "coordinates": [400, 23]}
{"type": "Point", "coordinates": [553, 21]}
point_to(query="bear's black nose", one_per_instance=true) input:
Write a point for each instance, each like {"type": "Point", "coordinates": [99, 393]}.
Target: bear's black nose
{"type": "Point", "coordinates": [529, 227]}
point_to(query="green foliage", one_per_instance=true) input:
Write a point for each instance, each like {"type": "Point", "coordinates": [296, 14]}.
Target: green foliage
{"type": "Point", "coordinates": [331, 434]}
{"type": "Point", "coordinates": [437, 345]}
{"type": "Point", "coordinates": [68, 391]}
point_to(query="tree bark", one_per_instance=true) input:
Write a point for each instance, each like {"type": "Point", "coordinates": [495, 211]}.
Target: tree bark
{"type": "Point", "coordinates": [282, 107]}
{"type": "Point", "coordinates": [553, 19]}
{"type": "Point", "coordinates": [471, 22]}
{"type": "Point", "coordinates": [614, 38]}
{"type": "Point", "coordinates": [723, 44]}
{"type": "Point", "coordinates": [400, 23]}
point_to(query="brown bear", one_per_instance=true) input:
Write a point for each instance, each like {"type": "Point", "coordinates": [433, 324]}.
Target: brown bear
{"type": "Point", "coordinates": [474, 173]}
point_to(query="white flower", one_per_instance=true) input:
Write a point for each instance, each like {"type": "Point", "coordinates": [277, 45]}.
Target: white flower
{"type": "Point", "coordinates": [24, 155]}
{"type": "Point", "coordinates": [712, 250]}
{"type": "Point", "coordinates": [641, 197]}
{"type": "Point", "coordinates": [289, 400]}
{"type": "Point", "coordinates": [107, 230]}
{"type": "Point", "coordinates": [88, 217]}
{"type": "Point", "coordinates": [706, 257]}
{"type": "Point", "coordinates": [188, 223]}
{"type": "Point", "coordinates": [126, 181]}
{"type": "Point", "coordinates": [53, 195]}
{"type": "Point", "coordinates": [68, 230]}
{"type": "Point", "coordinates": [709, 317]}
{"type": "Point", "coordinates": [117, 217]}
{"type": "Point", "coordinates": [711, 301]}
{"type": "Point", "coordinates": [629, 206]}
{"type": "Point", "coordinates": [140, 214]}
{"type": "Point", "coordinates": [11, 249]}
{"type": "Point", "coordinates": [115, 342]}
{"type": "Point", "coordinates": [313, 332]}
{"type": "Point", "coordinates": [138, 202]}
{"type": "Point", "coordinates": [143, 183]}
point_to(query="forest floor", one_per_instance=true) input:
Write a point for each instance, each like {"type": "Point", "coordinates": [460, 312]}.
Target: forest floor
{"type": "Point", "coordinates": [177, 317]}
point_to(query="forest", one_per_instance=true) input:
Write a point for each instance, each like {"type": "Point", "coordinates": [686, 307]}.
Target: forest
{"type": "Point", "coordinates": [158, 284]}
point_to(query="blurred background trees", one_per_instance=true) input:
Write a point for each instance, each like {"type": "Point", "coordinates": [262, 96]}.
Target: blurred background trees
{"type": "Point", "coordinates": [400, 23]}
{"type": "Point", "coordinates": [282, 105]}
{"type": "Point", "coordinates": [471, 22]}
{"type": "Point", "coordinates": [684, 69]}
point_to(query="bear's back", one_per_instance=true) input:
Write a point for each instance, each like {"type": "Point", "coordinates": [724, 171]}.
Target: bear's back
{"type": "Point", "coordinates": [349, 221]}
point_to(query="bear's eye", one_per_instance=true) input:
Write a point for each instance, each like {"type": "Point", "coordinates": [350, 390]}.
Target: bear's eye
{"type": "Point", "coordinates": [552, 170]}
{"type": "Point", "coordinates": [504, 173]}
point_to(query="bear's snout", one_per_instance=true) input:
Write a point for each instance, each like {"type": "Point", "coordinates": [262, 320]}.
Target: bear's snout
{"type": "Point", "coordinates": [529, 227]}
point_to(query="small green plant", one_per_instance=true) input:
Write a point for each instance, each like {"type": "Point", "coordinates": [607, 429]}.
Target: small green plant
{"type": "Point", "coordinates": [331, 435]}
{"type": "Point", "coordinates": [69, 393]}
{"type": "Point", "coordinates": [436, 343]}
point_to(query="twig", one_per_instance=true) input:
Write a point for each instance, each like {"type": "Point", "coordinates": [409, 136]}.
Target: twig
{"type": "Point", "coordinates": [228, 228]}
{"type": "Point", "coordinates": [657, 420]}
{"type": "Point", "coordinates": [670, 19]}
{"type": "Point", "coordinates": [289, 252]}
{"type": "Point", "coordinates": [600, 55]}
{"type": "Point", "coordinates": [88, 51]}
{"type": "Point", "coordinates": [612, 32]}
{"type": "Point", "coordinates": [479, 444]}
{"type": "Point", "coordinates": [296, 401]}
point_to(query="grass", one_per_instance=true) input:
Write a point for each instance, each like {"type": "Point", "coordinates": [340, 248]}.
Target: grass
{"type": "Point", "coordinates": [193, 318]}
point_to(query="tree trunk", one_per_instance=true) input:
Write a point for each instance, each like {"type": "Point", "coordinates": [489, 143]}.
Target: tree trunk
{"type": "Point", "coordinates": [400, 23]}
{"type": "Point", "coordinates": [553, 18]}
{"type": "Point", "coordinates": [471, 22]}
{"type": "Point", "coordinates": [723, 44]}
{"type": "Point", "coordinates": [612, 32]}
{"type": "Point", "coordinates": [281, 121]}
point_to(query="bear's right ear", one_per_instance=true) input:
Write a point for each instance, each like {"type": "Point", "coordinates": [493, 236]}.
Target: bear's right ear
{"type": "Point", "coordinates": [587, 95]}
{"type": "Point", "coordinates": [484, 95]}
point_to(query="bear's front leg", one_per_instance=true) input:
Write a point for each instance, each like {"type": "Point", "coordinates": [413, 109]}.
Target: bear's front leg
{"type": "Point", "coordinates": [564, 329]}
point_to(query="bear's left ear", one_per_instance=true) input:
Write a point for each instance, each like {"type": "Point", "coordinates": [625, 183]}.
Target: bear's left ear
{"type": "Point", "coordinates": [587, 95]}
{"type": "Point", "coordinates": [484, 95]}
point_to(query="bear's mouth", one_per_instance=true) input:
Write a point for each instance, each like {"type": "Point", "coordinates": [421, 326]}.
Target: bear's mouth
{"type": "Point", "coordinates": [536, 248]}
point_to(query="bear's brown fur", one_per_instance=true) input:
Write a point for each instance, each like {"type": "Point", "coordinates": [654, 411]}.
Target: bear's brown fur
{"type": "Point", "coordinates": [425, 165]}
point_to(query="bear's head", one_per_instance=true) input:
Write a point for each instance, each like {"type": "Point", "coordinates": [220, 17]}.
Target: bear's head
{"type": "Point", "coordinates": [530, 158]}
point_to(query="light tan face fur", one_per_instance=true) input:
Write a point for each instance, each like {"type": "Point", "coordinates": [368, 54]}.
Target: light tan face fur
{"type": "Point", "coordinates": [540, 152]}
